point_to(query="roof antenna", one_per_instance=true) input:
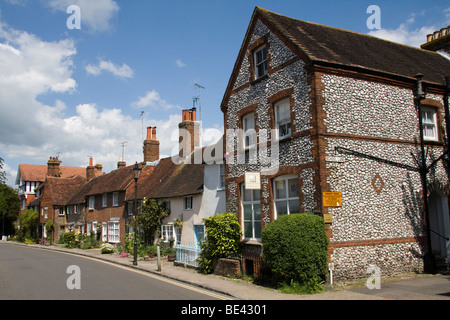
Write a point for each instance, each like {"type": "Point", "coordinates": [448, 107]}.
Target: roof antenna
{"type": "Point", "coordinates": [123, 148]}
{"type": "Point", "coordinates": [142, 116]}
{"type": "Point", "coordinates": [199, 87]}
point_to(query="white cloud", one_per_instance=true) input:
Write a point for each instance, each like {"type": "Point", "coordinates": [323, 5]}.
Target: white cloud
{"type": "Point", "coordinates": [123, 71]}
{"type": "Point", "coordinates": [96, 15]}
{"type": "Point", "coordinates": [407, 34]}
{"type": "Point", "coordinates": [180, 63]}
{"type": "Point", "coordinates": [30, 67]}
{"type": "Point", "coordinates": [152, 100]}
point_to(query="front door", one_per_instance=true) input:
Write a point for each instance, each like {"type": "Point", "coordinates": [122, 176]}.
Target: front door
{"type": "Point", "coordinates": [199, 234]}
{"type": "Point", "coordinates": [439, 224]}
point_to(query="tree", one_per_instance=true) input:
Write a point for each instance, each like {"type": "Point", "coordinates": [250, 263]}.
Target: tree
{"type": "Point", "coordinates": [9, 205]}
{"type": "Point", "coordinates": [151, 217]}
{"type": "Point", "coordinates": [2, 173]}
{"type": "Point", "coordinates": [29, 220]}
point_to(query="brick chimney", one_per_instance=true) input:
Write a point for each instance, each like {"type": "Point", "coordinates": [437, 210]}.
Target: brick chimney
{"type": "Point", "coordinates": [438, 41]}
{"type": "Point", "coordinates": [121, 163]}
{"type": "Point", "coordinates": [99, 169]}
{"type": "Point", "coordinates": [90, 170]}
{"type": "Point", "coordinates": [53, 167]}
{"type": "Point", "coordinates": [151, 146]}
{"type": "Point", "coordinates": [189, 132]}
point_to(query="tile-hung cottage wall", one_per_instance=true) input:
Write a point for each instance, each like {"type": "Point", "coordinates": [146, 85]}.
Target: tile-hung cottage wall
{"type": "Point", "coordinates": [381, 219]}
{"type": "Point", "coordinates": [287, 79]}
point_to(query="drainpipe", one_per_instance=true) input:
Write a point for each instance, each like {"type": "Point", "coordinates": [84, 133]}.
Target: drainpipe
{"type": "Point", "coordinates": [447, 119]}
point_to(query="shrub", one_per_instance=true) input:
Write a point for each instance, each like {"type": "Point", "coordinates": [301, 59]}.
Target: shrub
{"type": "Point", "coordinates": [295, 250]}
{"type": "Point", "coordinates": [222, 241]}
{"type": "Point", "coordinates": [69, 239]}
{"type": "Point", "coordinates": [106, 248]}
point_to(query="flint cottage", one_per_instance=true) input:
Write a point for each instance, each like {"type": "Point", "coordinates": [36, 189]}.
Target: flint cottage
{"type": "Point", "coordinates": [342, 110]}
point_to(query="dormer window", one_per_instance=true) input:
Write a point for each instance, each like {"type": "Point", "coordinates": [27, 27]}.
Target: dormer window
{"type": "Point", "coordinates": [260, 62]}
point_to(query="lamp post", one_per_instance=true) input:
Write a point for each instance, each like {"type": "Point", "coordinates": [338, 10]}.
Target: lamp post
{"type": "Point", "coordinates": [136, 173]}
{"type": "Point", "coordinates": [419, 95]}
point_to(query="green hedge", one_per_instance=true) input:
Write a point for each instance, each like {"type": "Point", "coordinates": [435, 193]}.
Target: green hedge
{"type": "Point", "coordinates": [295, 249]}
{"type": "Point", "coordinates": [223, 240]}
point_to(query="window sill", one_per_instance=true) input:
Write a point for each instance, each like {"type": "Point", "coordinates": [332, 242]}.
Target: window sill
{"type": "Point", "coordinates": [256, 242]}
{"type": "Point", "coordinates": [260, 79]}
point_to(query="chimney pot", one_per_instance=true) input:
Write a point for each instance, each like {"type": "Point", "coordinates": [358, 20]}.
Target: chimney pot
{"type": "Point", "coordinates": [194, 114]}
{"type": "Point", "coordinates": [429, 37]}
{"type": "Point", "coordinates": [151, 146]}
{"type": "Point", "coordinates": [436, 35]}
{"type": "Point", "coordinates": [443, 32]}
{"type": "Point", "coordinates": [91, 162]}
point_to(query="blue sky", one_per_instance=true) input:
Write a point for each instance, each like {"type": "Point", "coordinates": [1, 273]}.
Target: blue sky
{"type": "Point", "coordinates": [79, 93]}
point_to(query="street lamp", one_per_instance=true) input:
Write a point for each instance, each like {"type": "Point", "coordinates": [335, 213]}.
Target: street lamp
{"type": "Point", "coordinates": [136, 173]}
{"type": "Point", "coordinates": [419, 95]}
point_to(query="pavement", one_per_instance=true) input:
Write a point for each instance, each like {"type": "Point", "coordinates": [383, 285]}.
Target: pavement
{"type": "Point", "coordinates": [406, 287]}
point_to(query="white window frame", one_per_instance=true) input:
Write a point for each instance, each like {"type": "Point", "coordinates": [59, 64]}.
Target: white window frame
{"type": "Point", "coordinates": [89, 228]}
{"type": "Point", "coordinates": [114, 231]}
{"type": "Point", "coordinates": [248, 128]}
{"type": "Point", "coordinates": [255, 223]}
{"type": "Point", "coordinates": [221, 177]}
{"type": "Point", "coordinates": [285, 179]}
{"type": "Point", "coordinates": [168, 232]}
{"type": "Point", "coordinates": [186, 204]}
{"type": "Point", "coordinates": [115, 199]}
{"type": "Point", "coordinates": [104, 231]}
{"type": "Point", "coordinates": [429, 123]}
{"type": "Point", "coordinates": [91, 202]}
{"type": "Point", "coordinates": [286, 121]}
{"type": "Point", "coordinates": [104, 200]}
{"type": "Point", "coordinates": [260, 63]}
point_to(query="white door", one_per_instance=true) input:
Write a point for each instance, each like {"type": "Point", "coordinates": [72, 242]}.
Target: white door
{"type": "Point", "coordinates": [439, 224]}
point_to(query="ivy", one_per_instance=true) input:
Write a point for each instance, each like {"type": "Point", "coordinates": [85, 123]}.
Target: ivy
{"type": "Point", "coordinates": [222, 241]}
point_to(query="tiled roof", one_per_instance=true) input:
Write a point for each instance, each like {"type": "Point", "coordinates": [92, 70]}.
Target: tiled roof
{"type": "Point", "coordinates": [329, 45]}
{"type": "Point", "coordinates": [326, 46]}
{"type": "Point", "coordinates": [116, 180]}
{"type": "Point", "coordinates": [169, 180]}
{"type": "Point", "coordinates": [33, 172]}
{"type": "Point", "coordinates": [62, 189]}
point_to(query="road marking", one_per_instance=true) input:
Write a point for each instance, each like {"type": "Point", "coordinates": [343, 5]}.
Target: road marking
{"type": "Point", "coordinates": [147, 274]}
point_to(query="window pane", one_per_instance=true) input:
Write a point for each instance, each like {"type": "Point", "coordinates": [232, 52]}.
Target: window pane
{"type": "Point", "coordinates": [248, 232]}
{"type": "Point", "coordinates": [256, 195]}
{"type": "Point", "coordinates": [293, 188]}
{"type": "Point", "coordinates": [294, 206]}
{"type": "Point", "coordinates": [280, 189]}
{"type": "Point", "coordinates": [257, 212]}
{"type": "Point", "coordinates": [248, 212]}
{"type": "Point", "coordinates": [247, 195]}
{"type": "Point", "coordinates": [284, 130]}
{"type": "Point", "coordinates": [257, 229]}
{"type": "Point", "coordinates": [281, 208]}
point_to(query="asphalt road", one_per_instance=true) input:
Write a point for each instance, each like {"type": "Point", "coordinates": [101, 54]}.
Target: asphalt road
{"type": "Point", "coordinates": [30, 273]}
